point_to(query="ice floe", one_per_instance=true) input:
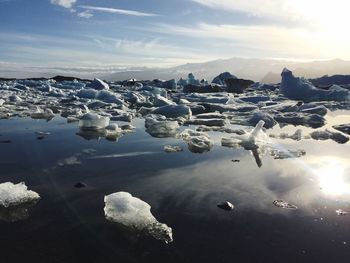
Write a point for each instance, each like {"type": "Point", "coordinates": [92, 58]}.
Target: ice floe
{"type": "Point", "coordinates": [16, 194]}
{"type": "Point", "coordinates": [135, 214]}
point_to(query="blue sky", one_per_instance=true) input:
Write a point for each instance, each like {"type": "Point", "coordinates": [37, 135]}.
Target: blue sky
{"type": "Point", "coordinates": [107, 34]}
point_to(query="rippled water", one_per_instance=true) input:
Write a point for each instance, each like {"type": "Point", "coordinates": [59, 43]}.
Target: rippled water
{"type": "Point", "coordinates": [68, 223]}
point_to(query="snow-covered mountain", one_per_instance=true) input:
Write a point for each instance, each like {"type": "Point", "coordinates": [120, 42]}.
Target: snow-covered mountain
{"type": "Point", "coordinates": [266, 70]}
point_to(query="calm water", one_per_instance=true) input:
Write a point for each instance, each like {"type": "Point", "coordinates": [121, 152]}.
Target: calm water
{"type": "Point", "coordinates": [68, 224]}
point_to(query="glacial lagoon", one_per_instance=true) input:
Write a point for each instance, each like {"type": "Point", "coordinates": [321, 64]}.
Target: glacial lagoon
{"type": "Point", "coordinates": [152, 172]}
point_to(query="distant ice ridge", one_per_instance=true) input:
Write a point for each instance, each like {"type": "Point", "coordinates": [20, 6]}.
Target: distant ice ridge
{"type": "Point", "coordinates": [301, 89]}
{"type": "Point", "coordinates": [132, 212]}
{"type": "Point", "coordinates": [16, 194]}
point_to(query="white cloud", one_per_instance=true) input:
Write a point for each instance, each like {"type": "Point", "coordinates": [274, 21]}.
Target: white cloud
{"type": "Point", "coordinates": [116, 11]}
{"type": "Point", "coordinates": [63, 3]}
{"type": "Point", "coordinates": [85, 14]}
{"type": "Point", "coordinates": [314, 12]}
{"type": "Point", "coordinates": [265, 40]}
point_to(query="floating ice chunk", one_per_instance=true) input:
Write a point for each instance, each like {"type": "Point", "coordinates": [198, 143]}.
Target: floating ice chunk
{"type": "Point", "coordinates": [46, 114]}
{"type": "Point", "coordinates": [75, 112]}
{"type": "Point", "coordinates": [248, 141]}
{"type": "Point", "coordinates": [158, 127]}
{"type": "Point", "coordinates": [132, 212]}
{"type": "Point", "coordinates": [296, 136]}
{"type": "Point", "coordinates": [211, 115]}
{"type": "Point", "coordinates": [267, 118]}
{"type": "Point", "coordinates": [343, 128]}
{"type": "Point", "coordinates": [305, 119]}
{"type": "Point", "coordinates": [87, 93]}
{"type": "Point", "coordinates": [198, 142]}
{"type": "Point", "coordinates": [159, 101]}
{"type": "Point", "coordinates": [93, 121]}
{"type": "Point", "coordinates": [16, 194]}
{"type": "Point", "coordinates": [287, 154]}
{"type": "Point", "coordinates": [231, 142]}
{"type": "Point", "coordinates": [127, 128]}
{"type": "Point", "coordinates": [257, 133]}
{"type": "Point", "coordinates": [98, 84]}
{"type": "Point", "coordinates": [174, 111]}
{"type": "Point", "coordinates": [2, 102]}
{"type": "Point", "coordinates": [113, 132]}
{"type": "Point", "coordinates": [313, 109]}
{"type": "Point", "coordinates": [301, 89]}
{"type": "Point", "coordinates": [102, 95]}
{"type": "Point", "coordinates": [109, 97]}
{"type": "Point", "coordinates": [172, 149]}
{"type": "Point", "coordinates": [207, 122]}
{"type": "Point", "coordinates": [283, 204]}
{"type": "Point", "coordinates": [327, 134]}
{"type": "Point", "coordinates": [163, 129]}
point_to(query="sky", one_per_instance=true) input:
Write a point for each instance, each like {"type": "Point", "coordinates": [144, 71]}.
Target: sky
{"type": "Point", "coordinates": [102, 35]}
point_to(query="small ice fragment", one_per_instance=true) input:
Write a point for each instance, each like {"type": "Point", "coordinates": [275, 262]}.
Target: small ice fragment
{"type": "Point", "coordinates": [287, 154]}
{"type": "Point", "coordinates": [41, 133]}
{"type": "Point", "coordinates": [172, 149]}
{"type": "Point", "coordinates": [341, 212]}
{"type": "Point", "coordinates": [283, 204]}
{"type": "Point", "coordinates": [132, 212]}
{"type": "Point", "coordinates": [226, 206]}
{"type": "Point", "coordinates": [16, 194]}
{"type": "Point", "coordinates": [73, 160]}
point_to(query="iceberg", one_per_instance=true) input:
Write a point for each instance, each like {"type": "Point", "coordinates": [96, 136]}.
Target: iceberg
{"type": "Point", "coordinates": [220, 79]}
{"type": "Point", "coordinates": [93, 121]}
{"type": "Point", "coordinates": [16, 194]}
{"type": "Point", "coordinates": [301, 89]}
{"type": "Point", "coordinates": [135, 214]}
{"type": "Point", "coordinates": [158, 127]}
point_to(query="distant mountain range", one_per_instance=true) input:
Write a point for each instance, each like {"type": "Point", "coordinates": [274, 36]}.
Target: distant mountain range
{"type": "Point", "coordinates": [264, 70]}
